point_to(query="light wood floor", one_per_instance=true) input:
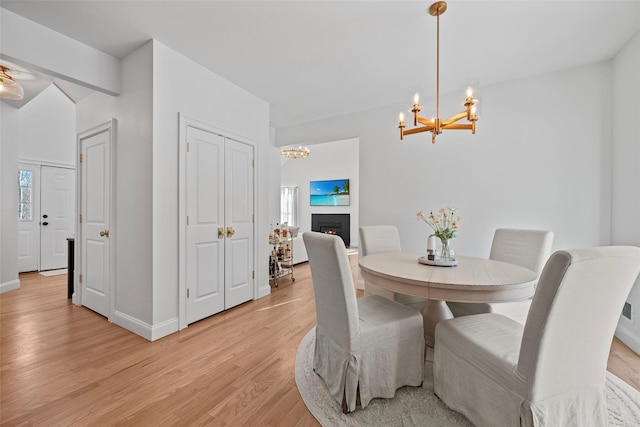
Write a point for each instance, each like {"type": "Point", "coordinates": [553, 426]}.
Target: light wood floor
{"type": "Point", "coordinates": [65, 365]}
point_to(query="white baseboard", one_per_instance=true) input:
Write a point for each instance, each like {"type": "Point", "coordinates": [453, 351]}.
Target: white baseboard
{"type": "Point", "coordinates": [263, 291]}
{"type": "Point", "coordinates": [629, 338]}
{"type": "Point", "coordinates": [163, 329]}
{"type": "Point", "coordinates": [9, 286]}
{"type": "Point", "coordinates": [143, 329]}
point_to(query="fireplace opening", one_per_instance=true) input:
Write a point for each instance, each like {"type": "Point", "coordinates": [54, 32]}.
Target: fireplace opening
{"type": "Point", "coordinates": [336, 224]}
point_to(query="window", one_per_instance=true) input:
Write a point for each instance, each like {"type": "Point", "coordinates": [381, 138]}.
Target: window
{"type": "Point", "coordinates": [25, 195]}
{"type": "Point", "coordinates": [289, 206]}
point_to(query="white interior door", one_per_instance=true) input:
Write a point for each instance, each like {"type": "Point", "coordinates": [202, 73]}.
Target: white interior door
{"type": "Point", "coordinates": [205, 218]}
{"type": "Point", "coordinates": [239, 223]}
{"type": "Point", "coordinates": [28, 217]}
{"type": "Point", "coordinates": [95, 200]}
{"type": "Point", "coordinates": [57, 205]}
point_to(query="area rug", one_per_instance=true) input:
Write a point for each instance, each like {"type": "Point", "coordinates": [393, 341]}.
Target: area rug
{"type": "Point", "coordinates": [416, 406]}
{"type": "Point", "coordinates": [54, 272]}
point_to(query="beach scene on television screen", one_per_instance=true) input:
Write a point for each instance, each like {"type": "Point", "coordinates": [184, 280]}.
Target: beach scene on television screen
{"type": "Point", "coordinates": [329, 193]}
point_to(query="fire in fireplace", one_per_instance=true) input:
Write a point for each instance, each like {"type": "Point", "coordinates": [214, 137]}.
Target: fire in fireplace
{"type": "Point", "coordinates": [337, 224]}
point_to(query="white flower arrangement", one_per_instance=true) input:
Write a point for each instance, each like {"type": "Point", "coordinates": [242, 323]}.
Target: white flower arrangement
{"type": "Point", "coordinates": [444, 223]}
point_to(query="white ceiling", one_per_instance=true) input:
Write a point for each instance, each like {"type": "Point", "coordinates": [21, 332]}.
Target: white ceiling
{"type": "Point", "coordinates": [316, 59]}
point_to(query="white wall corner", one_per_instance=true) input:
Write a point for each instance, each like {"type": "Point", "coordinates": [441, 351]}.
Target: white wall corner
{"type": "Point", "coordinates": [143, 329]}
{"type": "Point", "coordinates": [165, 328]}
{"type": "Point", "coordinates": [132, 324]}
{"type": "Point", "coordinates": [9, 286]}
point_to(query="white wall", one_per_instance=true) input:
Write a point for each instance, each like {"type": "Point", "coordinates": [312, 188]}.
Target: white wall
{"type": "Point", "coordinates": [540, 159]}
{"type": "Point", "coordinates": [9, 148]}
{"type": "Point", "coordinates": [95, 110]}
{"type": "Point", "coordinates": [273, 196]}
{"type": "Point", "coordinates": [332, 160]}
{"type": "Point", "coordinates": [48, 129]}
{"type": "Point", "coordinates": [625, 224]}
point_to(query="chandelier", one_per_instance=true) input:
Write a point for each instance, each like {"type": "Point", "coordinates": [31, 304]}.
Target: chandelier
{"type": "Point", "coordinates": [9, 88]}
{"type": "Point", "coordinates": [294, 153]}
{"type": "Point", "coordinates": [435, 125]}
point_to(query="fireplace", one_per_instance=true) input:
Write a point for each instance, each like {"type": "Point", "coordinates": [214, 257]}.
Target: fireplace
{"type": "Point", "coordinates": [338, 224]}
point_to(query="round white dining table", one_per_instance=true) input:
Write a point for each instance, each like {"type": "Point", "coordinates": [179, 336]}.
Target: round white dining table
{"type": "Point", "coordinates": [472, 280]}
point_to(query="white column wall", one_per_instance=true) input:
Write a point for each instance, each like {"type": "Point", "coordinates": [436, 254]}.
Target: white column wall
{"type": "Point", "coordinates": [204, 96]}
{"type": "Point", "coordinates": [134, 289]}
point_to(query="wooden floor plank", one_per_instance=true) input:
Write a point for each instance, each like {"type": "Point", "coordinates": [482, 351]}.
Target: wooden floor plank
{"type": "Point", "coordinates": [61, 364]}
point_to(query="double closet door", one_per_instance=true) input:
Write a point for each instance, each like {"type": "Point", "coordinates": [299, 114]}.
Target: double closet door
{"type": "Point", "coordinates": [220, 222]}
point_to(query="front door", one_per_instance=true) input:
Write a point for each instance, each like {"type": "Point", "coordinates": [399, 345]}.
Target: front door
{"type": "Point", "coordinates": [95, 202]}
{"type": "Point", "coordinates": [58, 192]}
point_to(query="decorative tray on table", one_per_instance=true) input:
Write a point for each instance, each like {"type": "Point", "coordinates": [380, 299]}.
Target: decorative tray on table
{"type": "Point", "coordinates": [437, 262]}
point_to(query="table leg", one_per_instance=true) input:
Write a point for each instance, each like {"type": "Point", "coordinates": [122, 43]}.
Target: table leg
{"type": "Point", "coordinates": [433, 312]}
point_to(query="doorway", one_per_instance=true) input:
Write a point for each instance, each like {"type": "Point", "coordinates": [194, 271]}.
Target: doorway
{"type": "Point", "coordinates": [46, 205]}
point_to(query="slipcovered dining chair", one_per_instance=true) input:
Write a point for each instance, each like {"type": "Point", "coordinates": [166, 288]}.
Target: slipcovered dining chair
{"type": "Point", "coordinates": [551, 371]}
{"type": "Point", "coordinates": [385, 238]}
{"type": "Point", "coordinates": [526, 248]}
{"type": "Point", "coordinates": [369, 345]}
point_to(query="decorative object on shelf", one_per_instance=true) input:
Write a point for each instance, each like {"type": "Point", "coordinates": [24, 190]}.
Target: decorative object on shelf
{"type": "Point", "coordinates": [435, 125]}
{"type": "Point", "coordinates": [9, 88]}
{"type": "Point", "coordinates": [281, 257]}
{"type": "Point", "coordinates": [444, 225]}
{"type": "Point", "coordinates": [295, 153]}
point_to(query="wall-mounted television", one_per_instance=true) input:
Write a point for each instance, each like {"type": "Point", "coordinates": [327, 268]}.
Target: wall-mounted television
{"type": "Point", "coordinates": [333, 192]}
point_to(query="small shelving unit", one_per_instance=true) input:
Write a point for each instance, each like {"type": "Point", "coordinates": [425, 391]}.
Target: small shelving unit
{"type": "Point", "coordinates": [281, 258]}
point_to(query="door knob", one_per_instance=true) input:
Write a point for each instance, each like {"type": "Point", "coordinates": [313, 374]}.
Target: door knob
{"type": "Point", "coordinates": [45, 223]}
{"type": "Point", "coordinates": [45, 216]}
{"type": "Point", "coordinates": [220, 233]}
{"type": "Point", "coordinates": [104, 233]}
{"type": "Point", "coordinates": [230, 231]}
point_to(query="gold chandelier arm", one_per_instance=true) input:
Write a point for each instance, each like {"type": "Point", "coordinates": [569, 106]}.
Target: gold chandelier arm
{"type": "Point", "coordinates": [418, 130]}
{"type": "Point", "coordinates": [426, 122]}
{"type": "Point", "coordinates": [454, 119]}
{"type": "Point", "coordinates": [459, 126]}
